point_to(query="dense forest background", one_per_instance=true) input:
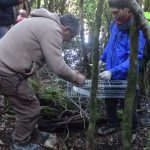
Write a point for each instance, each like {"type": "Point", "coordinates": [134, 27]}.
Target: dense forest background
{"type": "Point", "coordinates": [67, 117]}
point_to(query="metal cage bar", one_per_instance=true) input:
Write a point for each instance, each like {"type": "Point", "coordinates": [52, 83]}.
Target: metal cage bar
{"type": "Point", "coordinates": [106, 89]}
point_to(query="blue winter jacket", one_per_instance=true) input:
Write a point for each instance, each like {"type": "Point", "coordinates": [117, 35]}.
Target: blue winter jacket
{"type": "Point", "coordinates": [116, 52]}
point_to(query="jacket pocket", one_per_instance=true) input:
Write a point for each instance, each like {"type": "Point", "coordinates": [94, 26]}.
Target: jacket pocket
{"type": "Point", "coordinates": [8, 85]}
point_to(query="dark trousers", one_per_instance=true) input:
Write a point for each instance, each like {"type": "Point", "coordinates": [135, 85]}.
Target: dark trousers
{"type": "Point", "coordinates": [18, 92]}
{"type": "Point", "coordinates": [4, 30]}
{"type": "Point", "coordinates": [111, 108]}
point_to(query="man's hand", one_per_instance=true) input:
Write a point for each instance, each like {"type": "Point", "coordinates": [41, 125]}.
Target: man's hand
{"type": "Point", "coordinates": [80, 79]}
{"type": "Point", "coordinates": [77, 72]}
{"type": "Point", "coordinates": [106, 75]}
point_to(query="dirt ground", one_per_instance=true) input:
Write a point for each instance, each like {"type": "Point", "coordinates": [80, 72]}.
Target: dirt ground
{"type": "Point", "coordinates": [74, 140]}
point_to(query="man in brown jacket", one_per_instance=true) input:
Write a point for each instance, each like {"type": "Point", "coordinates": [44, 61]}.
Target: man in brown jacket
{"type": "Point", "coordinates": [23, 51]}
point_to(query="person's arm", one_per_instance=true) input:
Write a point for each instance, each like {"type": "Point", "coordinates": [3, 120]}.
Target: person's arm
{"type": "Point", "coordinates": [104, 55]}
{"type": "Point", "coordinates": [10, 3]}
{"type": "Point", "coordinates": [123, 68]}
{"type": "Point", "coordinates": [51, 44]}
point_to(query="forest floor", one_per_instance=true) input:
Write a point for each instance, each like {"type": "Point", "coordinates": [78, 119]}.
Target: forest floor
{"type": "Point", "coordinates": [75, 139]}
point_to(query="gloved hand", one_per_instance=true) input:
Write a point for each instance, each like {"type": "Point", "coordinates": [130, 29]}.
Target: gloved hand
{"type": "Point", "coordinates": [106, 75]}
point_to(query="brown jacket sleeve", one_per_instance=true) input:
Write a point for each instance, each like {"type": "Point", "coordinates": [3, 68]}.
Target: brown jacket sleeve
{"type": "Point", "coordinates": [51, 45]}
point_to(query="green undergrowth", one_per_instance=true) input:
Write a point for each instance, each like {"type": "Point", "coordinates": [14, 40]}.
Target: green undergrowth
{"type": "Point", "coordinates": [55, 97]}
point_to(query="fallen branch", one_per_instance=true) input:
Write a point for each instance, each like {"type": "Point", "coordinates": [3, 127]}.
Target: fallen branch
{"type": "Point", "coordinates": [80, 108]}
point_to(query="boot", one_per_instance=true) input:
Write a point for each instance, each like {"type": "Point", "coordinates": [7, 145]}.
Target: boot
{"type": "Point", "coordinates": [43, 136]}
{"type": "Point", "coordinates": [27, 146]}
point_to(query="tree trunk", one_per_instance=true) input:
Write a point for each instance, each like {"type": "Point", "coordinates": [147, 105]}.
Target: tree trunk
{"type": "Point", "coordinates": [51, 6]}
{"type": "Point", "coordinates": [84, 48]}
{"type": "Point", "coordinates": [62, 6]}
{"type": "Point", "coordinates": [147, 5]}
{"type": "Point", "coordinates": [93, 103]}
{"type": "Point", "coordinates": [139, 17]}
{"type": "Point", "coordinates": [131, 88]}
{"type": "Point", "coordinates": [58, 6]}
{"type": "Point", "coordinates": [38, 3]}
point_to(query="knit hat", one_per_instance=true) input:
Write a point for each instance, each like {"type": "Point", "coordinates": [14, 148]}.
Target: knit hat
{"type": "Point", "coordinates": [118, 3]}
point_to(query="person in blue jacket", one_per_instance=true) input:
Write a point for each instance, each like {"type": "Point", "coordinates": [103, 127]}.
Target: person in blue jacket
{"type": "Point", "coordinates": [8, 14]}
{"type": "Point", "coordinates": [116, 57]}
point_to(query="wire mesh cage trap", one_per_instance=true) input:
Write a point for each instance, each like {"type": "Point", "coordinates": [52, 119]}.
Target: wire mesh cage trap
{"type": "Point", "coordinates": [106, 89]}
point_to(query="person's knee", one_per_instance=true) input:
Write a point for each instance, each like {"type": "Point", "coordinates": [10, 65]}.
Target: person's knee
{"type": "Point", "coordinates": [36, 110]}
{"type": "Point", "coordinates": [32, 112]}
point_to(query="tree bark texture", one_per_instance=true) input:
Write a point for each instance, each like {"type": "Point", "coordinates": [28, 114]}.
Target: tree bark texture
{"type": "Point", "coordinates": [147, 5]}
{"type": "Point", "coordinates": [93, 103]}
{"type": "Point", "coordinates": [38, 3]}
{"type": "Point", "coordinates": [84, 48]}
{"type": "Point", "coordinates": [58, 6]}
{"type": "Point", "coordinates": [139, 17]}
{"type": "Point", "coordinates": [131, 88]}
